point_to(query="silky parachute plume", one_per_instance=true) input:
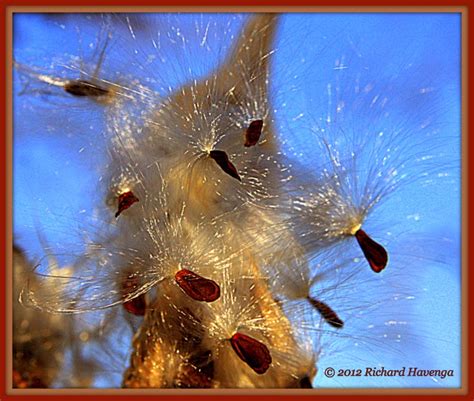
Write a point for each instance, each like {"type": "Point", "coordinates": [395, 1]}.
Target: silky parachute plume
{"type": "Point", "coordinates": [228, 209]}
{"type": "Point", "coordinates": [43, 341]}
{"type": "Point", "coordinates": [165, 248]}
{"type": "Point", "coordinates": [359, 159]}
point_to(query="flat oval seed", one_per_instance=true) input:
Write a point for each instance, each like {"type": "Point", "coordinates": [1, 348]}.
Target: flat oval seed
{"type": "Point", "coordinates": [125, 200]}
{"type": "Point", "coordinates": [137, 305]}
{"type": "Point", "coordinates": [252, 135]}
{"type": "Point", "coordinates": [197, 287]}
{"type": "Point", "coordinates": [224, 163]}
{"type": "Point", "coordinates": [375, 253]}
{"type": "Point", "coordinates": [327, 313]}
{"type": "Point", "coordinates": [83, 88]}
{"type": "Point", "coordinates": [252, 352]}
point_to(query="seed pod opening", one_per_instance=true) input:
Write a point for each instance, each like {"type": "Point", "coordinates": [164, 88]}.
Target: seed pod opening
{"type": "Point", "coordinates": [197, 287]}
{"type": "Point", "coordinates": [224, 163]}
{"type": "Point", "coordinates": [253, 132]}
{"type": "Point", "coordinates": [252, 352]}
{"type": "Point", "coordinates": [375, 253]}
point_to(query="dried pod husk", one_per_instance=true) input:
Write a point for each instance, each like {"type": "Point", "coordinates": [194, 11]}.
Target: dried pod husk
{"type": "Point", "coordinates": [168, 348]}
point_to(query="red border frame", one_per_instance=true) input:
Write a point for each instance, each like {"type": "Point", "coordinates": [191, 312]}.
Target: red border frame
{"type": "Point", "coordinates": [238, 3]}
{"type": "Point", "coordinates": [4, 180]}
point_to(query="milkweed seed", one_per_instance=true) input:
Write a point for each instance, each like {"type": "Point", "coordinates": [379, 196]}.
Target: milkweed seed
{"type": "Point", "coordinates": [252, 352]}
{"type": "Point", "coordinates": [136, 306]}
{"type": "Point", "coordinates": [125, 200]}
{"type": "Point", "coordinates": [327, 313]}
{"type": "Point", "coordinates": [197, 287]}
{"type": "Point", "coordinates": [375, 253]}
{"type": "Point", "coordinates": [252, 135]}
{"type": "Point", "coordinates": [224, 163]}
{"type": "Point", "coordinates": [82, 88]}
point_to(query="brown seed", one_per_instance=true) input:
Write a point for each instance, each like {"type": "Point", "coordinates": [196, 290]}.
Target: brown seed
{"type": "Point", "coordinates": [125, 200]}
{"type": "Point", "coordinates": [375, 253]}
{"type": "Point", "coordinates": [197, 287]}
{"type": "Point", "coordinates": [83, 88]}
{"type": "Point", "coordinates": [327, 313]}
{"type": "Point", "coordinates": [224, 163]}
{"type": "Point", "coordinates": [252, 135]}
{"type": "Point", "coordinates": [252, 352]}
{"type": "Point", "coordinates": [137, 305]}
